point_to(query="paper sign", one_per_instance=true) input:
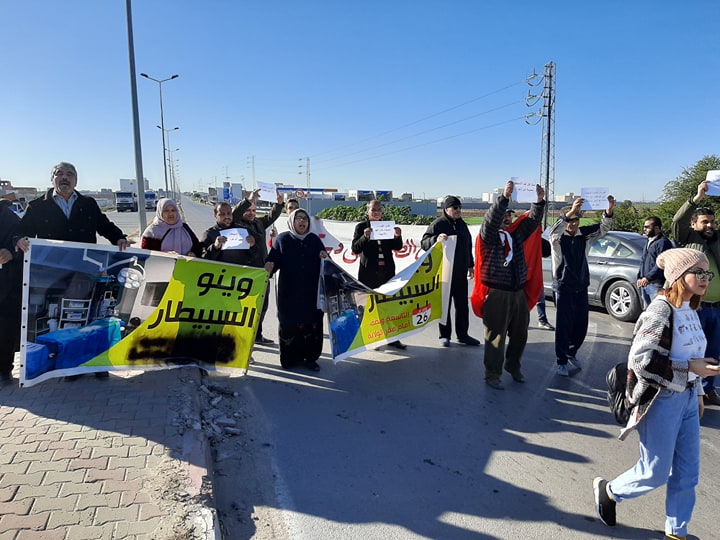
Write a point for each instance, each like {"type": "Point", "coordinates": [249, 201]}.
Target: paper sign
{"type": "Point", "coordinates": [713, 180]}
{"type": "Point", "coordinates": [236, 239]}
{"type": "Point", "coordinates": [525, 190]}
{"type": "Point", "coordinates": [595, 198]}
{"type": "Point", "coordinates": [268, 192]}
{"type": "Point", "coordinates": [382, 230]}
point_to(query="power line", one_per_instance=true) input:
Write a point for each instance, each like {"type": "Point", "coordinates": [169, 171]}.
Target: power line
{"type": "Point", "coordinates": [381, 134]}
{"type": "Point", "coordinates": [425, 143]}
{"type": "Point", "coordinates": [423, 132]}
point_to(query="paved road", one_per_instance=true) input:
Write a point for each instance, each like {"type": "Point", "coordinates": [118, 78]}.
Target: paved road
{"type": "Point", "coordinates": [414, 445]}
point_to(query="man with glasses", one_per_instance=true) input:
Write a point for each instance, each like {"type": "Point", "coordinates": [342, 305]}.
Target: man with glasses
{"type": "Point", "coordinates": [377, 264]}
{"type": "Point", "coordinates": [451, 223]}
{"type": "Point", "coordinates": [651, 278]}
{"type": "Point", "coordinates": [571, 279]}
{"type": "Point", "coordinates": [504, 271]}
{"type": "Point", "coordinates": [695, 227]}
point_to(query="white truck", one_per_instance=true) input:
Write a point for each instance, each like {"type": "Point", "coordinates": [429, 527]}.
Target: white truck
{"type": "Point", "coordinates": [150, 200]}
{"type": "Point", "coordinates": [126, 201]}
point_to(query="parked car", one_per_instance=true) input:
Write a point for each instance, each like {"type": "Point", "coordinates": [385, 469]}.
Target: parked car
{"type": "Point", "coordinates": [614, 261]}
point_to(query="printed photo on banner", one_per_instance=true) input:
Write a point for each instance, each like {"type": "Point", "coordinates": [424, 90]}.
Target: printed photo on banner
{"type": "Point", "coordinates": [713, 180]}
{"type": "Point", "coordinates": [525, 190]}
{"type": "Point", "coordinates": [595, 198]}
{"type": "Point", "coordinates": [268, 191]}
{"type": "Point", "coordinates": [382, 230]}
{"type": "Point", "coordinates": [362, 319]}
{"type": "Point", "coordinates": [92, 308]}
{"type": "Point", "coordinates": [236, 238]}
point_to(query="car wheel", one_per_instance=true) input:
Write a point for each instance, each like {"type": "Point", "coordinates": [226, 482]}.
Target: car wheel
{"type": "Point", "coordinates": [622, 302]}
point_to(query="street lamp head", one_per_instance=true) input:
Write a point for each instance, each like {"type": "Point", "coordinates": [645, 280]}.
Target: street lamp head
{"type": "Point", "coordinates": [174, 76]}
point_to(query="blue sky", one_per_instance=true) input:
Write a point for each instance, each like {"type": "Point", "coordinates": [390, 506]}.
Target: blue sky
{"type": "Point", "coordinates": [425, 96]}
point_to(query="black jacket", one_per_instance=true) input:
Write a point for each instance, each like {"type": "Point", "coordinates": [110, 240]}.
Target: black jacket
{"type": "Point", "coordinates": [452, 227]}
{"type": "Point", "coordinates": [256, 228]}
{"type": "Point", "coordinates": [44, 219]}
{"type": "Point", "coordinates": [649, 268]}
{"type": "Point", "coordinates": [371, 272]}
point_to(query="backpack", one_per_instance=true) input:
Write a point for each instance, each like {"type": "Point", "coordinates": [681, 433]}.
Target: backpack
{"type": "Point", "coordinates": [616, 380]}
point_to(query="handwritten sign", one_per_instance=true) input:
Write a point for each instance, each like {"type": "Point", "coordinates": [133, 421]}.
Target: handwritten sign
{"type": "Point", "coordinates": [595, 198]}
{"type": "Point", "coordinates": [713, 180]}
{"type": "Point", "coordinates": [525, 190]}
{"type": "Point", "coordinates": [236, 238]}
{"type": "Point", "coordinates": [382, 230]}
{"type": "Point", "coordinates": [268, 191]}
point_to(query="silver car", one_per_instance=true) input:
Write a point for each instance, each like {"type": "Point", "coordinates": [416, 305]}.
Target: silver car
{"type": "Point", "coordinates": [614, 261]}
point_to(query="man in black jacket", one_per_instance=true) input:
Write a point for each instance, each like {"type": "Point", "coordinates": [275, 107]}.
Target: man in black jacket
{"type": "Point", "coordinates": [65, 214]}
{"type": "Point", "coordinates": [451, 223]}
{"type": "Point", "coordinates": [245, 214]}
{"type": "Point", "coordinates": [377, 265]}
{"type": "Point", "coordinates": [10, 291]}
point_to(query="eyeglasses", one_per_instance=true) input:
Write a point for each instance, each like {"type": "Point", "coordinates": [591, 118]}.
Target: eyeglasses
{"type": "Point", "coordinates": [702, 275]}
{"type": "Point", "coordinates": [301, 218]}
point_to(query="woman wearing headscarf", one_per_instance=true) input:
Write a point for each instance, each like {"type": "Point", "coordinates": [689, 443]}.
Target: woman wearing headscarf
{"type": "Point", "coordinates": [297, 253]}
{"type": "Point", "coordinates": [168, 233]}
{"type": "Point", "coordinates": [665, 363]}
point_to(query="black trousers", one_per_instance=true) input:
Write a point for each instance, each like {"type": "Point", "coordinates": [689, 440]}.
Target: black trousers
{"type": "Point", "coordinates": [458, 298]}
{"type": "Point", "coordinates": [300, 343]}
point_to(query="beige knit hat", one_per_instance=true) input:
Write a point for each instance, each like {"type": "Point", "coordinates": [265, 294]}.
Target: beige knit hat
{"type": "Point", "coordinates": [675, 262]}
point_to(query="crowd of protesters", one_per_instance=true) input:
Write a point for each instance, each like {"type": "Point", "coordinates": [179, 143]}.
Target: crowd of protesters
{"type": "Point", "coordinates": [672, 361]}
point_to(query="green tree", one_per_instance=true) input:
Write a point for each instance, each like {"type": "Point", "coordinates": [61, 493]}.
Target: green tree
{"type": "Point", "coordinates": [678, 191]}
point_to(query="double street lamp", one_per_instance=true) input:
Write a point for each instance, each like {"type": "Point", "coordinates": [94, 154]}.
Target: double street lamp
{"type": "Point", "coordinates": [162, 122]}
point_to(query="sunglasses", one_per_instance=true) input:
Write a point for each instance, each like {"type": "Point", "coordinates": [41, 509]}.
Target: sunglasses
{"type": "Point", "coordinates": [702, 275]}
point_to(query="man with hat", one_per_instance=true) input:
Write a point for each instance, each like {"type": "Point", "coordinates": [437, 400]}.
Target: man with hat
{"type": "Point", "coordinates": [503, 271]}
{"type": "Point", "coordinates": [451, 223]}
{"type": "Point", "coordinates": [695, 227]}
{"type": "Point", "coordinates": [571, 278]}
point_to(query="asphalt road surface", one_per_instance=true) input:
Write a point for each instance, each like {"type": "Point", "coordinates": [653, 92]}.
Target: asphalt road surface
{"type": "Point", "coordinates": [412, 444]}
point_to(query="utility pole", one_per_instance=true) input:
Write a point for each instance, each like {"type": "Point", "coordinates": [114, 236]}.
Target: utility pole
{"type": "Point", "coordinates": [307, 178]}
{"type": "Point", "coordinates": [547, 115]}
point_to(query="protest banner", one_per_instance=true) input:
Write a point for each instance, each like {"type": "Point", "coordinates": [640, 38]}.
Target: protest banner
{"type": "Point", "coordinates": [361, 319]}
{"type": "Point", "coordinates": [91, 308]}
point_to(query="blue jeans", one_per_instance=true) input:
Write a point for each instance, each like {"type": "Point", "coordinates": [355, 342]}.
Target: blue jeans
{"type": "Point", "coordinates": [669, 454]}
{"type": "Point", "coordinates": [710, 320]}
{"type": "Point", "coordinates": [648, 293]}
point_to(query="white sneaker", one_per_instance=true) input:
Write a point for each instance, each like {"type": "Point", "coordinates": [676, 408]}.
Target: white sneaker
{"type": "Point", "coordinates": [562, 370]}
{"type": "Point", "coordinates": [445, 342]}
{"type": "Point", "coordinates": [575, 362]}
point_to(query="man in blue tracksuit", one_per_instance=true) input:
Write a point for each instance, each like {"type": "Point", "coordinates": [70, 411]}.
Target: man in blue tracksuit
{"type": "Point", "coordinates": [571, 278]}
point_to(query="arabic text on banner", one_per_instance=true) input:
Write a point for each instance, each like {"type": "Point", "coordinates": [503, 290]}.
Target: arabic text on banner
{"type": "Point", "coordinates": [93, 308]}
{"type": "Point", "coordinates": [360, 318]}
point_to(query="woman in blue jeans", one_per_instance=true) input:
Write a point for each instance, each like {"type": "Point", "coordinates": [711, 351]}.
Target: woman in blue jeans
{"type": "Point", "coordinates": [665, 362]}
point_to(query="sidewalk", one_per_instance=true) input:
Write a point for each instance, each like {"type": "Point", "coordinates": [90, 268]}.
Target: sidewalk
{"type": "Point", "coordinates": [124, 457]}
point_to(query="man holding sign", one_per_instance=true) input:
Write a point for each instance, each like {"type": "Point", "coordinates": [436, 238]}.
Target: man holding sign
{"type": "Point", "coordinates": [695, 227]}
{"type": "Point", "coordinates": [374, 240]}
{"type": "Point", "coordinates": [571, 279]}
{"type": "Point", "coordinates": [227, 241]}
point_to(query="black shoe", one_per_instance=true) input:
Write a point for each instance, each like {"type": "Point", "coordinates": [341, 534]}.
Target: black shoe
{"type": "Point", "coordinates": [102, 375]}
{"type": "Point", "coordinates": [312, 366]}
{"type": "Point", "coordinates": [469, 340]}
{"type": "Point", "coordinates": [71, 378]}
{"type": "Point", "coordinates": [604, 505]}
{"type": "Point", "coordinates": [263, 340]}
{"type": "Point", "coordinates": [397, 345]}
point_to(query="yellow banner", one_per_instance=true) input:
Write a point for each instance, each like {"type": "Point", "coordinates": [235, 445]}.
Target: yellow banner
{"type": "Point", "coordinates": [93, 308]}
{"type": "Point", "coordinates": [360, 318]}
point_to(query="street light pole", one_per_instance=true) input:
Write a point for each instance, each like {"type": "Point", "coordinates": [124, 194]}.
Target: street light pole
{"type": "Point", "coordinates": [162, 121]}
